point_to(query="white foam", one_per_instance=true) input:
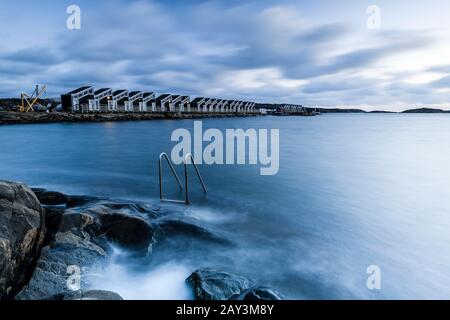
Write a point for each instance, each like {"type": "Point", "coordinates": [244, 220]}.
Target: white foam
{"type": "Point", "coordinates": [165, 282]}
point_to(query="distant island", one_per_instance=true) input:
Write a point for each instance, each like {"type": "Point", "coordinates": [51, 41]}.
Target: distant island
{"type": "Point", "coordinates": [420, 110]}
{"type": "Point", "coordinates": [426, 110]}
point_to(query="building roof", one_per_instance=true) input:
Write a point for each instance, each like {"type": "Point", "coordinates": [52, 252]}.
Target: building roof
{"type": "Point", "coordinates": [100, 91]}
{"type": "Point", "coordinates": [117, 92]}
{"type": "Point", "coordinates": [176, 99]}
{"type": "Point", "coordinates": [146, 94]}
{"type": "Point", "coordinates": [163, 97]}
{"type": "Point", "coordinates": [79, 90]}
{"type": "Point", "coordinates": [197, 100]}
{"type": "Point", "coordinates": [133, 93]}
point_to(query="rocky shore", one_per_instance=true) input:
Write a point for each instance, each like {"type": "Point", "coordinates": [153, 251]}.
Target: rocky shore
{"type": "Point", "coordinates": [52, 245]}
{"type": "Point", "coordinates": [42, 117]}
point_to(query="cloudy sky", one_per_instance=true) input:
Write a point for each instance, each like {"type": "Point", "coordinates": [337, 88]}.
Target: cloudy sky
{"type": "Point", "coordinates": [297, 51]}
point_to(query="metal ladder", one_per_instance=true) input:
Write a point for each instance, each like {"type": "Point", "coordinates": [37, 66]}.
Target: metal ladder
{"type": "Point", "coordinates": [174, 173]}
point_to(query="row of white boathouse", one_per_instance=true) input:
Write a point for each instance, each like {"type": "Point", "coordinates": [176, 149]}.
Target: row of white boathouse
{"type": "Point", "coordinates": [87, 99]}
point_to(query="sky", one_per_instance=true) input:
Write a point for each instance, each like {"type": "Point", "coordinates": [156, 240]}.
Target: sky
{"type": "Point", "coordinates": [316, 53]}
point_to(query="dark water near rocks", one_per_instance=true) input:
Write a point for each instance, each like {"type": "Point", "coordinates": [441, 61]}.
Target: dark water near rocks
{"type": "Point", "coordinates": [352, 191]}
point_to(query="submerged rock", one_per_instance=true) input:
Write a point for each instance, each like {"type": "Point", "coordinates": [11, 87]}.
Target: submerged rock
{"type": "Point", "coordinates": [210, 284]}
{"type": "Point", "coordinates": [22, 232]}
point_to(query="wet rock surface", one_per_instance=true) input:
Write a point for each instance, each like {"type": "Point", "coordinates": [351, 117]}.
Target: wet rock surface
{"type": "Point", "coordinates": [22, 232]}
{"type": "Point", "coordinates": [176, 227]}
{"type": "Point", "coordinates": [101, 295]}
{"type": "Point", "coordinates": [262, 293]}
{"type": "Point", "coordinates": [73, 254]}
{"type": "Point", "coordinates": [212, 284]}
{"type": "Point", "coordinates": [50, 197]}
{"type": "Point", "coordinates": [127, 231]}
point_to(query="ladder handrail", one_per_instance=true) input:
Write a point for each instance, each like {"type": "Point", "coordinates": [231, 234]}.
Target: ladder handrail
{"type": "Point", "coordinates": [161, 156]}
{"type": "Point", "coordinates": [186, 182]}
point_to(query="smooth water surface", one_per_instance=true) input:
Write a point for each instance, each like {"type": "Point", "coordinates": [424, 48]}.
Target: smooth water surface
{"type": "Point", "coordinates": [352, 191]}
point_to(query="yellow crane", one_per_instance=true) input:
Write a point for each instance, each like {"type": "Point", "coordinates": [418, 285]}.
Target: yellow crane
{"type": "Point", "coordinates": [29, 101]}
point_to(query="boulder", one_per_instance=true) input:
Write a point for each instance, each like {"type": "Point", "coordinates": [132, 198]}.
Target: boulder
{"type": "Point", "coordinates": [22, 233]}
{"type": "Point", "coordinates": [70, 256]}
{"type": "Point", "coordinates": [53, 198]}
{"type": "Point", "coordinates": [100, 295]}
{"type": "Point", "coordinates": [78, 201]}
{"type": "Point", "coordinates": [53, 217]}
{"type": "Point", "coordinates": [76, 222]}
{"type": "Point", "coordinates": [261, 293]}
{"type": "Point", "coordinates": [50, 198]}
{"type": "Point", "coordinates": [170, 228]}
{"type": "Point", "coordinates": [210, 284]}
{"type": "Point", "coordinates": [127, 231]}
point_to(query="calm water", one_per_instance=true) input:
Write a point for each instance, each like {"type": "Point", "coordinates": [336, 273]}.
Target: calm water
{"type": "Point", "coordinates": [352, 191]}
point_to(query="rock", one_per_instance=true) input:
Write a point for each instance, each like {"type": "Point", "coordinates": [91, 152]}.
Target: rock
{"type": "Point", "coordinates": [261, 293]}
{"type": "Point", "coordinates": [43, 249]}
{"type": "Point", "coordinates": [75, 221]}
{"type": "Point", "coordinates": [53, 217]}
{"type": "Point", "coordinates": [70, 255]}
{"type": "Point", "coordinates": [100, 295]}
{"type": "Point", "coordinates": [129, 207]}
{"type": "Point", "coordinates": [140, 210]}
{"type": "Point", "coordinates": [122, 224]}
{"type": "Point", "coordinates": [75, 253]}
{"type": "Point", "coordinates": [50, 198]}
{"type": "Point", "coordinates": [177, 228]}
{"type": "Point", "coordinates": [210, 284]}
{"type": "Point", "coordinates": [78, 201]}
{"type": "Point", "coordinates": [22, 232]}
{"type": "Point", "coordinates": [127, 231]}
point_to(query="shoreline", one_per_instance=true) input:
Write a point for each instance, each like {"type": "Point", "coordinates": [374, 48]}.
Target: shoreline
{"type": "Point", "coordinates": [16, 118]}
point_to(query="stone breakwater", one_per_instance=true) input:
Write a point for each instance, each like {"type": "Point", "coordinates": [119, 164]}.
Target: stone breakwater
{"type": "Point", "coordinates": [42, 117]}
{"type": "Point", "coordinates": [44, 234]}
